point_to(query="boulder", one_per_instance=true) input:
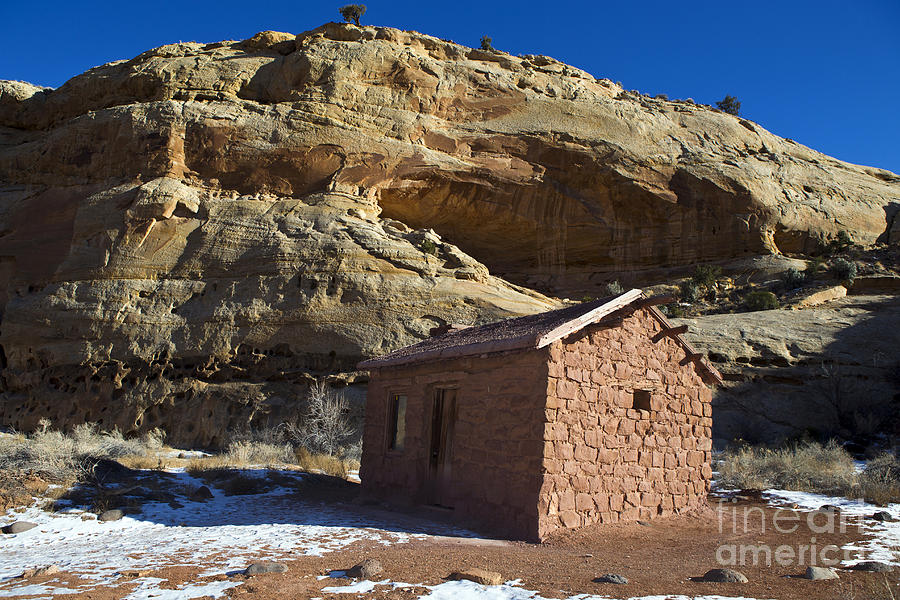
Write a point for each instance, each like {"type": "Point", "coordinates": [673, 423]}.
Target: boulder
{"type": "Point", "coordinates": [478, 576]}
{"type": "Point", "coordinates": [41, 571]}
{"type": "Point", "coordinates": [201, 493]}
{"type": "Point", "coordinates": [258, 568]}
{"type": "Point", "coordinates": [110, 515]}
{"type": "Point", "coordinates": [872, 566]}
{"type": "Point", "coordinates": [612, 578]}
{"type": "Point", "coordinates": [822, 296]}
{"type": "Point", "coordinates": [884, 517]}
{"type": "Point", "coordinates": [819, 573]}
{"type": "Point", "coordinates": [724, 576]}
{"type": "Point", "coordinates": [367, 569]}
{"type": "Point", "coordinates": [18, 527]}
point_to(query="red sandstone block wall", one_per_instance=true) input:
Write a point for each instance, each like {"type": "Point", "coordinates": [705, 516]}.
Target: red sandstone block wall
{"type": "Point", "coordinates": [604, 461]}
{"type": "Point", "coordinates": [497, 460]}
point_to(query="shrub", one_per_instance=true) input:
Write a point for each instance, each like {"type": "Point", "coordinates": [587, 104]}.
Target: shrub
{"type": "Point", "coordinates": [486, 43]}
{"type": "Point", "coordinates": [672, 310]}
{"type": "Point", "coordinates": [809, 467]}
{"type": "Point", "coordinates": [705, 276]}
{"type": "Point", "coordinates": [880, 480]}
{"type": "Point", "coordinates": [760, 300]}
{"type": "Point", "coordinates": [353, 12]}
{"type": "Point", "coordinates": [326, 463]}
{"type": "Point", "coordinates": [257, 453]}
{"type": "Point", "coordinates": [688, 291]}
{"type": "Point", "coordinates": [326, 427]}
{"type": "Point", "coordinates": [793, 279]}
{"type": "Point", "coordinates": [428, 247]}
{"type": "Point", "coordinates": [729, 104]}
{"type": "Point", "coordinates": [812, 269]}
{"type": "Point", "coordinates": [843, 269]}
{"type": "Point", "coordinates": [65, 458]}
{"type": "Point", "coordinates": [613, 289]}
{"type": "Point", "coordinates": [842, 241]}
{"type": "Point", "coordinates": [662, 96]}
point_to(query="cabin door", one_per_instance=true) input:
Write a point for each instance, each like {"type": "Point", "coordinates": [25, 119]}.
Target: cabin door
{"type": "Point", "coordinates": [443, 419]}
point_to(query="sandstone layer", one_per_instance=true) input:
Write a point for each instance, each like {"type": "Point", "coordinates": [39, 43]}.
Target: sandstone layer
{"type": "Point", "coordinates": [187, 237]}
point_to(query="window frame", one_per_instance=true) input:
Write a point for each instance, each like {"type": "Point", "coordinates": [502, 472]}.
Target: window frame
{"type": "Point", "coordinates": [641, 399]}
{"type": "Point", "coordinates": [394, 415]}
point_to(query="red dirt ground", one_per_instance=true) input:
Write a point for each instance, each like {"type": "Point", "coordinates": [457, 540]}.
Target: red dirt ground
{"type": "Point", "coordinates": [659, 558]}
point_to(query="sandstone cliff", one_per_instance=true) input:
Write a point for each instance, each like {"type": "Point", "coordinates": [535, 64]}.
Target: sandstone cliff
{"type": "Point", "coordinates": [208, 226]}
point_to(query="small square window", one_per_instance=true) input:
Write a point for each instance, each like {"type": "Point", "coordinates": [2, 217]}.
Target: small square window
{"type": "Point", "coordinates": [641, 400]}
{"type": "Point", "coordinates": [397, 422]}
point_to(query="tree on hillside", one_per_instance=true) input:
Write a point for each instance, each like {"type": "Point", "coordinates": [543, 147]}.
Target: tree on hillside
{"type": "Point", "coordinates": [352, 12]}
{"type": "Point", "coordinates": [729, 104]}
{"type": "Point", "coordinates": [486, 43]}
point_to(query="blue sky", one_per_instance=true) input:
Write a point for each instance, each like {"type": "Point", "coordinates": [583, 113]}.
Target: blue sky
{"type": "Point", "coordinates": [824, 73]}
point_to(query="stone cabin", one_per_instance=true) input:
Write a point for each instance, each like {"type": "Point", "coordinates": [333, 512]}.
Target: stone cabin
{"type": "Point", "coordinates": [595, 413]}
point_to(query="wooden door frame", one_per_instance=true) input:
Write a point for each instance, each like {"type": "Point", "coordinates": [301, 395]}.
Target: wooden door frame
{"type": "Point", "coordinates": [439, 471]}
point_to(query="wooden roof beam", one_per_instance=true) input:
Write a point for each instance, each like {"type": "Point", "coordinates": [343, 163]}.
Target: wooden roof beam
{"type": "Point", "coordinates": [657, 300]}
{"type": "Point", "coordinates": [691, 357]}
{"type": "Point", "coordinates": [669, 332]}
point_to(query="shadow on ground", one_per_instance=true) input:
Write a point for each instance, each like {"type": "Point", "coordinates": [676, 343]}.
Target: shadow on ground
{"type": "Point", "coordinates": [243, 497]}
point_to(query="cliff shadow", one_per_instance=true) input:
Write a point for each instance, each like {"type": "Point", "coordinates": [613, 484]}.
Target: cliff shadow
{"type": "Point", "coordinates": [892, 224]}
{"type": "Point", "coordinates": [850, 389]}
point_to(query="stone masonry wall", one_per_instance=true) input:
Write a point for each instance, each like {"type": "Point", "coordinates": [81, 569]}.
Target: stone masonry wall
{"type": "Point", "coordinates": [605, 461]}
{"type": "Point", "coordinates": [497, 443]}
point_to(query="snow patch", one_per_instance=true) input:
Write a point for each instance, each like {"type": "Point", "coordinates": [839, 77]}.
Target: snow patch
{"type": "Point", "coordinates": [884, 543]}
{"type": "Point", "coordinates": [149, 588]}
{"type": "Point", "coordinates": [219, 536]}
{"type": "Point", "coordinates": [511, 590]}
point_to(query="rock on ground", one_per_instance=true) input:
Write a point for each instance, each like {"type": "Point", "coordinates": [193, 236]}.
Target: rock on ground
{"type": "Point", "coordinates": [612, 578]}
{"type": "Point", "coordinates": [18, 527]}
{"type": "Point", "coordinates": [258, 568]}
{"type": "Point", "coordinates": [111, 515]}
{"type": "Point", "coordinates": [480, 576]}
{"type": "Point", "coordinates": [819, 573]}
{"type": "Point", "coordinates": [872, 566]}
{"type": "Point", "coordinates": [201, 493]}
{"type": "Point", "coordinates": [367, 569]}
{"type": "Point", "coordinates": [724, 576]}
{"type": "Point", "coordinates": [41, 571]}
{"type": "Point", "coordinates": [884, 517]}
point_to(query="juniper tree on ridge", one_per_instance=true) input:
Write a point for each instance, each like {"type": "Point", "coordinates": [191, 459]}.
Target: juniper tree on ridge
{"type": "Point", "coordinates": [352, 12]}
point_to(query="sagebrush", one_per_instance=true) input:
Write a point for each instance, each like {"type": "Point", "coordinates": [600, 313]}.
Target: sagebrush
{"type": "Point", "coordinates": [68, 458]}
{"type": "Point", "coordinates": [811, 467]}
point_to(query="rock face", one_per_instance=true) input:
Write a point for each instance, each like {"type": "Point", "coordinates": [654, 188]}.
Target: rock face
{"type": "Point", "coordinates": [187, 237]}
{"type": "Point", "coordinates": [832, 368]}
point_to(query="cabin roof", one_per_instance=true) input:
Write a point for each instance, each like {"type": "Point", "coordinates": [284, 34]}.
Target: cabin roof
{"type": "Point", "coordinates": [528, 332]}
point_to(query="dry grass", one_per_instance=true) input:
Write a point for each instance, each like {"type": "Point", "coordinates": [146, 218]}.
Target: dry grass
{"type": "Point", "coordinates": [242, 454]}
{"type": "Point", "coordinates": [325, 463]}
{"type": "Point", "coordinates": [880, 481]}
{"type": "Point", "coordinates": [150, 462]}
{"type": "Point", "coordinates": [871, 588]}
{"type": "Point", "coordinates": [807, 467]}
{"type": "Point", "coordinates": [811, 467]}
{"type": "Point", "coordinates": [69, 457]}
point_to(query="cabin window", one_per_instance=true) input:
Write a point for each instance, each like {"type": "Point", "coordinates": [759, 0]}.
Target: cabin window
{"type": "Point", "coordinates": [641, 399]}
{"type": "Point", "coordinates": [397, 422]}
